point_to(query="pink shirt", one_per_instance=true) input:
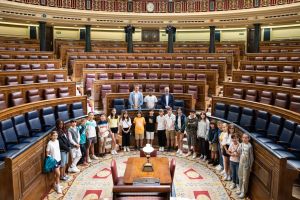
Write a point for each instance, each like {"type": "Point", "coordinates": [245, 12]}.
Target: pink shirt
{"type": "Point", "coordinates": [234, 149]}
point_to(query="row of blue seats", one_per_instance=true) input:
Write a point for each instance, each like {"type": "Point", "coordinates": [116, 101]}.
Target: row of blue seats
{"type": "Point", "coordinates": [20, 132]}
{"type": "Point", "coordinates": [280, 136]}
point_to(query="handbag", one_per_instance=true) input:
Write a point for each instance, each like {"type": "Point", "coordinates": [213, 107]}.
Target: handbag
{"type": "Point", "coordinates": [49, 164]}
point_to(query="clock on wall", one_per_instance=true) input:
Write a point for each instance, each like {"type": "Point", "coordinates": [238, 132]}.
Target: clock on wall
{"type": "Point", "coordinates": [150, 7]}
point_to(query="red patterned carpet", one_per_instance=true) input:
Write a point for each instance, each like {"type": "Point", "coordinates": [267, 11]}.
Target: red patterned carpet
{"type": "Point", "coordinates": [193, 179]}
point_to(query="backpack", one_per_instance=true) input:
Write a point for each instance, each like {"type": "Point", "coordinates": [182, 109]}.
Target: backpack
{"type": "Point", "coordinates": [49, 164]}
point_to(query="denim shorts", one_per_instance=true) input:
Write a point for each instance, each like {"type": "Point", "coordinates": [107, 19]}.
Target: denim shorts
{"type": "Point", "coordinates": [64, 158]}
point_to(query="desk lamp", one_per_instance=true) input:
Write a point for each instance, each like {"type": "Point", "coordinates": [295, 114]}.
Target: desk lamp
{"type": "Point", "coordinates": [148, 166]}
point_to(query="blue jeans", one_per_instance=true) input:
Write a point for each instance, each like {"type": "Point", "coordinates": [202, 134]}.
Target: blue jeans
{"type": "Point", "coordinates": [234, 167]}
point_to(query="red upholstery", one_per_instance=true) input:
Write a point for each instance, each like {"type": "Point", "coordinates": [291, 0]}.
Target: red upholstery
{"type": "Point", "coordinates": [2, 102]}
{"type": "Point", "coordinates": [35, 66]}
{"type": "Point", "coordinates": [27, 80]}
{"type": "Point", "coordinates": [25, 67]}
{"type": "Point", "coordinates": [287, 82]}
{"type": "Point", "coordinates": [165, 76]}
{"type": "Point", "coordinates": [260, 67]}
{"type": "Point", "coordinates": [249, 67]}
{"type": "Point", "coordinates": [172, 168]}
{"type": "Point", "coordinates": [238, 93]}
{"type": "Point", "coordinates": [49, 93]}
{"type": "Point", "coordinates": [166, 66]}
{"type": "Point", "coordinates": [295, 103]}
{"type": "Point", "coordinates": [49, 66]}
{"type": "Point", "coordinates": [144, 65]}
{"type": "Point", "coordinates": [150, 86]}
{"type": "Point", "coordinates": [266, 97]}
{"type": "Point", "coordinates": [152, 75]}
{"type": "Point", "coordinates": [288, 68]}
{"type": "Point", "coordinates": [122, 65]}
{"type": "Point", "coordinates": [101, 66]}
{"type": "Point", "coordinates": [43, 78]}
{"type": "Point", "coordinates": [10, 67]}
{"type": "Point", "coordinates": [193, 89]}
{"type": "Point", "coordinates": [190, 76]}
{"type": "Point", "coordinates": [177, 66]}
{"type": "Point", "coordinates": [142, 76]}
{"type": "Point", "coordinates": [260, 80]}
{"type": "Point", "coordinates": [117, 76]}
{"type": "Point", "coordinates": [124, 88]}
{"type": "Point", "coordinates": [103, 76]}
{"type": "Point", "coordinates": [162, 88]}
{"type": "Point", "coordinates": [63, 92]}
{"type": "Point", "coordinates": [281, 100]}
{"type": "Point", "coordinates": [11, 80]}
{"type": "Point", "coordinates": [155, 65]}
{"type": "Point", "coordinates": [273, 80]}
{"type": "Point", "coordinates": [201, 77]}
{"type": "Point", "coordinates": [178, 88]}
{"type": "Point", "coordinates": [177, 76]}
{"type": "Point", "coordinates": [16, 98]}
{"type": "Point", "coordinates": [105, 89]}
{"type": "Point", "coordinates": [246, 79]}
{"type": "Point", "coordinates": [114, 172]}
{"type": "Point", "coordinates": [129, 76]}
{"type": "Point", "coordinates": [91, 66]}
{"type": "Point", "coordinates": [33, 95]}
{"type": "Point", "coordinates": [190, 66]}
{"type": "Point", "coordinates": [272, 68]}
{"type": "Point", "coordinates": [59, 78]}
{"type": "Point", "coordinates": [251, 95]}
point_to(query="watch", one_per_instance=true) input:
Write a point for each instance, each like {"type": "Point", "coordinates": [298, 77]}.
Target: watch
{"type": "Point", "coordinates": [150, 7]}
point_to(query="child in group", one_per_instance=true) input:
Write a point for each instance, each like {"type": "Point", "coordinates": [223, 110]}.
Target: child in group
{"type": "Point", "coordinates": [202, 135]}
{"type": "Point", "coordinates": [54, 151]}
{"type": "Point", "coordinates": [125, 125]}
{"type": "Point", "coordinates": [82, 129]}
{"type": "Point", "coordinates": [161, 130]}
{"type": "Point", "coordinates": [139, 123]}
{"type": "Point", "coordinates": [170, 129]}
{"type": "Point", "coordinates": [180, 128]}
{"type": "Point", "coordinates": [64, 146]}
{"type": "Point", "coordinates": [74, 138]}
{"type": "Point", "coordinates": [150, 127]}
{"type": "Point", "coordinates": [220, 166]}
{"type": "Point", "coordinates": [104, 131]}
{"type": "Point", "coordinates": [113, 120]}
{"type": "Point", "coordinates": [191, 127]}
{"type": "Point", "coordinates": [213, 142]}
{"type": "Point", "coordinates": [233, 151]}
{"type": "Point", "coordinates": [224, 142]}
{"type": "Point", "coordinates": [150, 99]}
{"type": "Point", "coordinates": [91, 137]}
{"type": "Point", "coordinates": [245, 165]}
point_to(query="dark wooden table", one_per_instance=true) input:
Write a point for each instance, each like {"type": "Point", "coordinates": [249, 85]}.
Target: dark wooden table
{"type": "Point", "coordinates": [161, 170]}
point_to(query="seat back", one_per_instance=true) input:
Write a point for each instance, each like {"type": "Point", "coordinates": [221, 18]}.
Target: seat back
{"type": "Point", "coordinates": [262, 122]}
{"type": "Point", "coordinates": [295, 103]}
{"type": "Point", "coordinates": [295, 143]}
{"type": "Point", "coordinates": [238, 93]}
{"type": "Point", "coordinates": [287, 131]}
{"type": "Point", "coordinates": [33, 95]}
{"type": "Point", "coordinates": [220, 110]}
{"type": "Point", "coordinates": [77, 110]}
{"type": "Point", "coordinates": [281, 100]}
{"type": "Point", "coordinates": [8, 131]}
{"type": "Point", "coordinates": [178, 89]}
{"type": "Point", "coordinates": [3, 104]}
{"type": "Point", "coordinates": [273, 80]}
{"type": "Point", "coordinates": [49, 93]}
{"type": "Point", "coordinates": [119, 105]}
{"type": "Point", "coordinates": [34, 122]}
{"type": "Point", "coordinates": [274, 127]}
{"type": "Point", "coordinates": [48, 117]}
{"type": "Point", "coordinates": [287, 82]}
{"type": "Point", "coordinates": [11, 80]}
{"type": "Point", "coordinates": [62, 112]}
{"type": "Point", "coordinates": [42, 78]}
{"type": "Point", "coordinates": [260, 80]}
{"type": "Point", "coordinates": [251, 95]}
{"type": "Point", "coordinates": [114, 172]}
{"type": "Point", "coordinates": [21, 126]}
{"type": "Point", "coordinates": [266, 97]}
{"type": "Point", "coordinates": [246, 79]}
{"type": "Point", "coordinates": [247, 118]}
{"type": "Point", "coordinates": [179, 104]}
{"type": "Point", "coordinates": [16, 98]}
{"type": "Point", "coordinates": [59, 78]}
{"type": "Point", "coordinates": [234, 114]}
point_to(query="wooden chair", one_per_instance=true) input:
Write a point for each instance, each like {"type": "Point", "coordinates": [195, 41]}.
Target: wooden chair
{"type": "Point", "coordinates": [114, 173]}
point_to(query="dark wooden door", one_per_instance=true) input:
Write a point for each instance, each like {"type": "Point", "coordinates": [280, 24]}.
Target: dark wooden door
{"type": "Point", "coordinates": [49, 38]}
{"type": "Point", "coordinates": [150, 35]}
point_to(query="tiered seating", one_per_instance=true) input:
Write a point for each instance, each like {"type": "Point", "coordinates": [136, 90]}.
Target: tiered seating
{"type": "Point", "coordinates": [32, 76]}
{"type": "Point", "coordinates": [79, 65]}
{"type": "Point", "coordinates": [29, 64]}
{"type": "Point", "coordinates": [71, 56]}
{"type": "Point", "coordinates": [26, 55]}
{"type": "Point", "coordinates": [284, 97]}
{"type": "Point", "coordinates": [102, 87]}
{"type": "Point", "coordinates": [279, 49]}
{"type": "Point", "coordinates": [19, 47]}
{"type": "Point", "coordinates": [295, 56]}
{"type": "Point", "coordinates": [289, 79]}
{"type": "Point", "coordinates": [275, 137]}
{"type": "Point", "coordinates": [16, 95]}
{"type": "Point", "coordinates": [276, 66]}
{"type": "Point", "coordinates": [210, 76]}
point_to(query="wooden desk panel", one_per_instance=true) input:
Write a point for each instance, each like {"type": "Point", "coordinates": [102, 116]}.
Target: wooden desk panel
{"type": "Point", "coordinates": [252, 56]}
{"type": "Point", "coordinates": [280, 64]}
{"type": "Point", "coordinates": [278, 48]}
{"type": "Point", "coordinates": [161, 170]}
{"type": "Point", "coordinates": [42, 62]}
{"type": "Point", "coordinates": [13, 54]}
{"type": "Point", "coordinates": [26, 46]}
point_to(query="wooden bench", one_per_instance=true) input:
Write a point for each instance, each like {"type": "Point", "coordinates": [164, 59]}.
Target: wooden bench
{"type": "Point", "coordinates": [23, 88]}
{"type": "Point", "coordinates": [141, 192]}
{"type": "Point", "coordinates": [18, 40]}
{"type": "Point", "coordinates": [279, 64]}
{"type": "Point", "coordinates": [280, 43]}
{"type": "Point", "coordinates": [201, 87]}
{"type": "Point", "coordinates": [19, 47]}
{"type": "Point", "coordinates": [279, 49]}
{"type": "Point", "coordinates": [211, 75]}
{"type": "Point", "coordinates": [277, 56]}
{"type": "Point", "coordinates": [237, 75]}
{"type": "Point", "coordinates": [71, 56]}
{"type": "Point", "coordinates": [269, 178]}
{"type": "Point", "coordinates": [188, 99]}
{"type": "Point", "coordinates": [26, 55]}
{"type": "Point", "coordinates": [19, 74]}
{"type": "Point", "coordinates": [79, 65]}
{"type": "Point", "coordinates": [23, 174]}
{"type": "Point", "coordinates": [56, 63]}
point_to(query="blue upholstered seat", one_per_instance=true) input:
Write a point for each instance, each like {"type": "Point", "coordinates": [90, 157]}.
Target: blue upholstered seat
{"type": "Point", "coordinates": [247, 117]}
{"type": "Point", "coordinates": [273, 130]}
{"type": "Point", "coordinates": [220, 110]}
{"type": "Point", "coordinates": [234, 113]}
{"type": "Point", "coordinates": [77, 110]}
{"type": "Point", "coordinates": [48, 118]}
{"type": "Point", "coordinates": [178, 104]}
{"type": "Point", "coordinates": [261, 124]}
{"type": "Point", "coordinates": [62, 112]}
{"type": "Point", "coordinates": [34, 124]}
{"type": "Point", "coordinates": [22, 129]}
{"type": "Point", "coordinates": [119, 105]}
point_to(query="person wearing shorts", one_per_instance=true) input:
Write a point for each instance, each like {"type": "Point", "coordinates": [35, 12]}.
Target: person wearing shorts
{"type": "Point", "coordinates": [170, 128]}
{"type": "Point", "coordinates": [91, 137]}
{"type": "Point", "coordinates": [139, 123]}
{"type": "Point", "coordinates": [114, 120]}
{"type": "Point", "coordinates": [150, 127]}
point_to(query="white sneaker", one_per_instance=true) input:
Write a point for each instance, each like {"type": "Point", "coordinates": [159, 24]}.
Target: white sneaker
{"type": "Point", "coordinates": [73, 170]}
{"type": "Point", "coordinates": [225, 177]}
{"type": "Point", "coordinates": [163, 149]}
{"type": "Point", "coordinates": [58, 189]}
{"type": "Point", "coordinates": [128, 149]}
{"type": "Point", "coordinates": [125, 149]}
{"type": "Point", "coordinates": [238, 192]}
{"type": "Point", "coordinates": [76, 169]}
{"type": "Point", "coordinates": [223, 172]}
{"type": "Point", "coordinates": [201, 157]}
{"type": "Point", "coordinates": [178, 151]}
{"type": "Point", "coordinates": [116, 153]}
{"type": "Point", "coordinates": [194, 155]}
{"type": "Point", "coordinates": [242, 195]}
{"type": "Point", "coordinates": [94, 157]}
{"type": "Point", "coordinates": [204, 158]}
{"type": "Point", "coordinates": [228, 178]}
{"type": "Point", "coordinates": [89, 159]}
{"type": "Point", "coordinates": [218, 167]}
{"type": "Point", "coordinates": [159, 149]}
{"type": "Point", "coordinates": [233, 186]}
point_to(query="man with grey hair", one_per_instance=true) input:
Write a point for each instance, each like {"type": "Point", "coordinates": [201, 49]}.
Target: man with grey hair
{"type": "Point", "coordinates": [167, 99]}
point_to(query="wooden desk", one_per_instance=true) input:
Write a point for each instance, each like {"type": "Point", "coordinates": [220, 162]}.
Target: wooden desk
{"type": "Point", "coordinates": [160, 165]}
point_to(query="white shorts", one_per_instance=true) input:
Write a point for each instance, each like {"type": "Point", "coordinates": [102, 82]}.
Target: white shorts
{"type": "Point", "coordinates": [149, 135]}
{"type": "Point", "coordinates": [75, 153]}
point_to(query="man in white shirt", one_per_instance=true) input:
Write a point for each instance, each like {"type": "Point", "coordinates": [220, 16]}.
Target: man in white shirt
{"type": "Point", "coordinates": [170, 128]}
{"type": "Point", "coordinates": [150, 100]}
